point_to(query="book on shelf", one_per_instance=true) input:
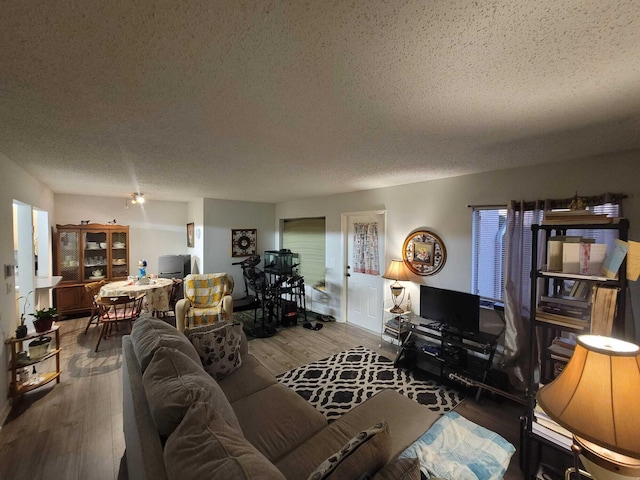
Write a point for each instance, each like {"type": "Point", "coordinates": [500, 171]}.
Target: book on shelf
{"type": "Point", "coordinates": [560, 352]}
{"type": "Point", "coordinates": [561, 320]}
{"type": "Point", "coordinates": [567, 342]}
{"type": "Point", "coordinates": [584, 258]}
{"type": "Point", "coordinates": [575, 217]}
{"type": "Point", "coordinates": [603, 310]}
{"type": "Point", "coordinates": [615, 257]}
{"type": "Point", "coordinates": [566, 300]}
{"type": "Point", "coordinates": [554, 250]}
{"type": "Point", "coordinates": [581, 313]}
{"type": "Point", "coordinates": [544, 419]}
{"type": "Point", "coordinates": [580, 289]}
{"type": "Point", "coordinates": [392, 329]}
{"type": "Point", "coordinates": [393, 339]}
{"type": "Point", "coordinates": [551, 435]}
{"type": "Point", "coordinates": [393, 323]}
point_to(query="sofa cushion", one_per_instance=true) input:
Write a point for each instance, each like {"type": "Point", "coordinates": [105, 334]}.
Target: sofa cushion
{"type": "Point", "coordinates": [407, 420]}
{"type": "Point", "coordinates": [399, 469]}
{"type": "Point", "coordinates": [205, 446]}
{"type": "Point", "coordinates": [218, 346]}
{"type": "Point", "coordinates": [148, 334]}
{"type": "Point", "coordinates": [250, 378]}
{"type": "Point", "coordinates": [364, 454]}
{"type": "Point", "coordinates": [276, 420]}
{"type": "Point", "coordinates": [173, 382]}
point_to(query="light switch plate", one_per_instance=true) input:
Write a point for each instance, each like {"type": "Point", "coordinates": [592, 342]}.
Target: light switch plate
{"type": "Point", "coordinates": [8, 271]}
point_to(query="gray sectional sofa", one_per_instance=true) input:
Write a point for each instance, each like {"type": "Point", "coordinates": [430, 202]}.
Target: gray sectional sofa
{"type": "Point", "coordinates": [181, 423]}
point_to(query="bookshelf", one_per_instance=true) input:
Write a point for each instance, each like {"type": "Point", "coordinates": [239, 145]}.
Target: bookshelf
{"type": "Point", "coordinates": [564, 305]}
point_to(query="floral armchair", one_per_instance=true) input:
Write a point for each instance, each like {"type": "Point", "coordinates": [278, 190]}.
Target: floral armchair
{"type": "Point", "coordinates": [207, 296]}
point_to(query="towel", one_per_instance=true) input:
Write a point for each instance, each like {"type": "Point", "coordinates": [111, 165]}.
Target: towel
{"type": "Point", "coordinates": [457, 449]}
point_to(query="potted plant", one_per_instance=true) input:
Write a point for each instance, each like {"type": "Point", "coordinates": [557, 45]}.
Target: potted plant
{"type": "Point", "coordinates": [21, 331]}
{"type": "Point", "coordinates": [44, 318]}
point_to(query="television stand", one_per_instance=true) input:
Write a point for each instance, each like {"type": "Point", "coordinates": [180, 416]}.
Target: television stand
{"type": "Point", "coordinates": [462, 357]}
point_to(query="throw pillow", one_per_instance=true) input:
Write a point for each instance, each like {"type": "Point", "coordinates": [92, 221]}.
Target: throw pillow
{"type": "Point", "coordinates": [205, 446]}
{"type": "Point", "coordinates": [173, 382]}
{"type": "Point", "coordinates": [218, 346]}
{"type": "Point", "coordinates": [364, 454]}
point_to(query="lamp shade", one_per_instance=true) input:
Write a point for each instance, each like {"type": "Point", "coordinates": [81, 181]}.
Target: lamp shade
{"type": "Point", "coordinates": [596, 395]}
{"type": "Point", "coordinates": [396, 271]}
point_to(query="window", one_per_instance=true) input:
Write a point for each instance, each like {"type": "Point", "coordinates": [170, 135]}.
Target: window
{"type": "Point", "coordinates": [488, 246]}
{"type": "Point", "coordinates": [489, 225]}
{"type": "Point", "coordinates": [306, 237]}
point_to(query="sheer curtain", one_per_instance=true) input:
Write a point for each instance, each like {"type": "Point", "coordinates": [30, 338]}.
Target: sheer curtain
{"type": "Point", "coordinates": [517, 292]}
{"type": "Point", "coordinates": [365, 248]}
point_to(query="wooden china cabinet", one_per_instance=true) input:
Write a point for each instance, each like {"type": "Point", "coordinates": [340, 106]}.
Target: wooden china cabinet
{"type": "Point", "coordinates": [87, 253]}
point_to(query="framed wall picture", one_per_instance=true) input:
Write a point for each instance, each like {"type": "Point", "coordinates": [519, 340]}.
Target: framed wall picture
{"type": "Point", "coordinates": [243, 242]}
{"type": "Point", "coordinates": [424, 252]}
{"type": "Point", "coordinates": [190, 234]}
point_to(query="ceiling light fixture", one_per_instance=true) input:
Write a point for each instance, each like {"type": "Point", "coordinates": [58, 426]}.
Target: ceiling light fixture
{"type": "Point", "coordinates": [137, 198]}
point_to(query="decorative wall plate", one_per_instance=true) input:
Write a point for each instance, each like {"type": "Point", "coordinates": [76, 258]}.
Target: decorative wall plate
{"type": "Point", "coordinates": [424, 252]}
{"type": "Point", "coordinates": [243, 242]}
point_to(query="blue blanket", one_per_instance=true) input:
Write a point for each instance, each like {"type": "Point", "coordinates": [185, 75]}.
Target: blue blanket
{"type": "Point", "coordinates": [457, 449]}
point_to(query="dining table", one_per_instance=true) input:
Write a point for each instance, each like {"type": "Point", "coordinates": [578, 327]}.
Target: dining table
{"type": "Point", "coordinates": [157, 292]}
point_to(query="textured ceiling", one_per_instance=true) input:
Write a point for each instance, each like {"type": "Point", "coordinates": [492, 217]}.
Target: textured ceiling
{"type": "Point", "coordinates": [273, 100]}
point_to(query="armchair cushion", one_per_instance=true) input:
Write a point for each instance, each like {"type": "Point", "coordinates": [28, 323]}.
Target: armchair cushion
{"type": "Point", "coordinates": [207, 290]}
{"type": "Point", "coordinates": [207, 296]}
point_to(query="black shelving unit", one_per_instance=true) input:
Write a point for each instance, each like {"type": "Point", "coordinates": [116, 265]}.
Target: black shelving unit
{"type": "Point", "coordinates": [535, 445]}
{"type": "Point", "coordinates": [448, 354]}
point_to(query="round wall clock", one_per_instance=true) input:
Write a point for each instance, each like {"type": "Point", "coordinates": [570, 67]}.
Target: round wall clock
{"type": "Point", "coordinates": [424, 252]}
{"type": "Point", "coordinates": [243, 242]}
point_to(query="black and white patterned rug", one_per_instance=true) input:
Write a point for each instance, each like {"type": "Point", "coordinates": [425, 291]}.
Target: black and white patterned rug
{"type": "Point", "coordinates": [337, 384]}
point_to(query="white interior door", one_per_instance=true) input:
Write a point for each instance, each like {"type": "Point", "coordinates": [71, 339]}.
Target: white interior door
{"type": "Point", "coordinates": [364, 291]}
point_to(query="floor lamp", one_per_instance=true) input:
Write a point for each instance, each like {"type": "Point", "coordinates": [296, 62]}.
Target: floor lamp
{"type": "Point", "coordinates": [596, 399]}
{"type": "Point", "coordinates": [398, 272]}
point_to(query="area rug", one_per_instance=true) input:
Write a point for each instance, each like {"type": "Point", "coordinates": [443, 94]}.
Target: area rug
{"type": "Point", "coordinates": [337, 384]}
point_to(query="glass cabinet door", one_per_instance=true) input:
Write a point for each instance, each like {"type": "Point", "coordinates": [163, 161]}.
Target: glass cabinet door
{"type": "Point", "coordinates": [95, 255]}
{"type": "Point", "coordinates": [69, 258]}
{"type": "Point", "coordinates": [119, 254]}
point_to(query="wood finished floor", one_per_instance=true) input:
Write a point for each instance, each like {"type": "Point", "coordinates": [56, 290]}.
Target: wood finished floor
{"type": "Point", "coordinates": [73, 430]}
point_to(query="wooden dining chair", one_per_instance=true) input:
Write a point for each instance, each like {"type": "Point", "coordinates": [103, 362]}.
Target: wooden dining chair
{"type": "Point", "coordinates": [93, 289]}
{"type": "Point", "coordinates": [173, 292]}
{"type": "Point", "coordinates": [114, 310]}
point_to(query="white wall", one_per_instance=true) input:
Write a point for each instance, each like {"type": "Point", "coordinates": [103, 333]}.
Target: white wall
{"type": "Point", "coordinates": [15, 184]}
{"type": "Point", "coordinates": [441, 206]}
{"type": "Point", "coordinates": [220, 216]}
{"type": "Point", "coordinates": [196, 216]}
{"type": "Point", "coordinates": [155, 227]}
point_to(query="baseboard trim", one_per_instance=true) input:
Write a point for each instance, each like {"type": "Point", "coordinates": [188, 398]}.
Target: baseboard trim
{"type": "Point", "coordinates": [4, 413]}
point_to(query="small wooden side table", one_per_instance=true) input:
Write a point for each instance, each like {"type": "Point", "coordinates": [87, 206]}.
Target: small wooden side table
{"type": "Point", "coordinates": [16, 388]}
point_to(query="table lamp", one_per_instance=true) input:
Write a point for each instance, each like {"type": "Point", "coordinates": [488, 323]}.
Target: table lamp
{"type": "Point", "coordinates": [596, 399]}
{"type": "Point", "coordinates": [398, 272]}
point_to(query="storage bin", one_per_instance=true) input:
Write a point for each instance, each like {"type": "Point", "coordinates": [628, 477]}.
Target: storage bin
{"type": "Point", "coordinates": [39, 347]}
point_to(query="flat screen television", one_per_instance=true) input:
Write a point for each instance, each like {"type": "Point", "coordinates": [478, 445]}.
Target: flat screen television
{"type": "Point", "coordinates": [457, 311]}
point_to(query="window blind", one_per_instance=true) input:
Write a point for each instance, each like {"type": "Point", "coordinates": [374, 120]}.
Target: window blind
{"type": "Point", "coordinates": [488, 251]}
{"type": "Point", "coordinates": [306, 237]}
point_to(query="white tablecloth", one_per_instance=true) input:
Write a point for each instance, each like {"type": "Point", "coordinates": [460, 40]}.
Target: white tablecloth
{"type": "Point", "coordinates": [157, 292]}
